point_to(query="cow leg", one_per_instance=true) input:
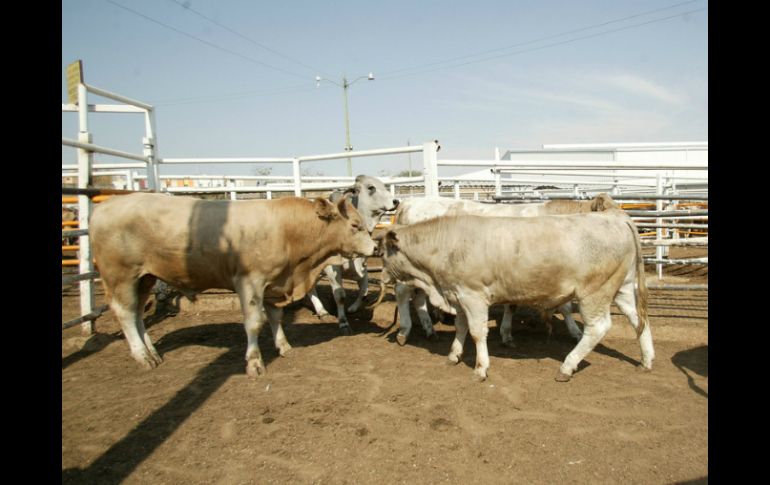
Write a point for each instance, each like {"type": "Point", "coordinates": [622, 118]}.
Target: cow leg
{"type": "Point", "coordinates": [359, 265]}
{"type": "Point", "coordinates": [146, 283]}
{"type": "Point", "coordinates": [477, 315]}
{"type": "Point", "coordinates": [316, 302]}
{"type": "Point", "coordinates": [253, 320]}
{"type": "Point", "coordinates": [572, 328]}
{"type": "Point", "coordinates": [626, 301]}
{"type": "Point", "coordinates": [334, 273]}
{"type": "Point", "coordinates": [597, 322]}
{"type": "Point", "coordinates": [403, 293]}
{"type": "Point", "coordinates": [505, 326]}
{"type": "Point", "coordinates": [420, 302]}
{"type": "Point", "coordinates": [125, 304]}
{"type": "Point", "coordinates": [275, 316]}
{"type": "Point", "coordinates": [461, 330]}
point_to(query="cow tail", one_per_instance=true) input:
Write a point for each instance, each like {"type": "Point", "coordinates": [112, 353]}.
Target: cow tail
{"type": "Point", "coordinates": [641, 290]}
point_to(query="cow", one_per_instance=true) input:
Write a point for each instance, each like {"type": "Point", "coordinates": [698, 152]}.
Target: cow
{"type": "Point", "coordinates": [270, 252]}
{"type": "Point", "coordinates": [370, 197]}
{"type": "Point", "coordinates": [466, 263]}
{"type": "Point", "coordinates": [419, 209]}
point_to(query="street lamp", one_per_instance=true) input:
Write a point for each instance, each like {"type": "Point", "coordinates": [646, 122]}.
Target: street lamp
{"type": "Point", "coordinates": [344, 87]}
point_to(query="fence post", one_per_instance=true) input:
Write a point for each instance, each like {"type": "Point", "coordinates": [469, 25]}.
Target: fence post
{"type": "Point", "coordinates": [456, 188]}
{"type": "Point", "coordinates": [231, 183]}
{"type": "Point", "coordinates": [150, 151]}
{"type": "Point", "coordinates": [430, 167]}
{"type": "Point", "coordinates": [297, 179]}
{"type": "Point", "coordinates": [498, 180]}
{"type": "Point", "coordinates": [658, 221]}
{"type": "Point", "coordinates": [85, 164]}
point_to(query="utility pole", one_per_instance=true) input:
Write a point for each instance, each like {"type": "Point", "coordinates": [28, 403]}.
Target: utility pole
{"type": "Point", "coordinates": [345, 84]}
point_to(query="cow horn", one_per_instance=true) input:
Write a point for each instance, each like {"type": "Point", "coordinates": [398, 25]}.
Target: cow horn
{"type": "Point", "coordinates": [379, 298]}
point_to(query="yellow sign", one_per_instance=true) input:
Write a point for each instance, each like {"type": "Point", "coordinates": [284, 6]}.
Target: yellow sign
{"type": "Point", "coordinates": [74, 77]}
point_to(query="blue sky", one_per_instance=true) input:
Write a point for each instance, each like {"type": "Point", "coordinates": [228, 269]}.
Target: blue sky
{"type": "Point", "coordinates": [236, 78]}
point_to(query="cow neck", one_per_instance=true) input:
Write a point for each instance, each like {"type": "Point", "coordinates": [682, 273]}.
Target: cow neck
{"type": "Point", "coordinates": [309, 256]}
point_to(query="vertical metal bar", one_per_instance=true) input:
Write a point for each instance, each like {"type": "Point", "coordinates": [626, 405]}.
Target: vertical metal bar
{"type": "Point", "coordinates": [85, 163]}
{"type": "Point", "coordinates": [456, 188]}
{"type": "Point", "coordinates": [498, 180]}
{"type": "Point", "coordinates": [658, 221]}
{"type": "Point", "coordinates": [430, 167]}
{"type": "Point", "coordinates": [297, 177]}
{"type": "Point", "coordinates": [231, 183]}
{"type": "Point", "coordinates": [130, 180]}
{"type": "Point", "coordinates": [150, 151]}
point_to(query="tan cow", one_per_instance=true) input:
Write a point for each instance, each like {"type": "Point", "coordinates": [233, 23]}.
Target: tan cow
{"type": "Point", "coordinates": [270, 252]}
{"type": "Point", "coordinates": [419, 209]}
{"type": "Point", "coordinates": [467, 263]}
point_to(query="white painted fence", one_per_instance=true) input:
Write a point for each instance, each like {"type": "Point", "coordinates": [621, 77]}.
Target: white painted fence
{"type": "Point", "coordinates": [512, 180]}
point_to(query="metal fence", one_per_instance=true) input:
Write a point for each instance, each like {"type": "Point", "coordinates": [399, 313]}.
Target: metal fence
{"type": "Point", "coordinates": [666, 184]}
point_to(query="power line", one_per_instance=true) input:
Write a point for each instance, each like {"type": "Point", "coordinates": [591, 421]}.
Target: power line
{"type": "Point", "coordinates": [210, 44]}
{"type": "Point", "coordinates": [186, 6]}
{"type": "Point", "coordinates": [234, 96]}
{"type": "Point", "coordinates": [422, 69]}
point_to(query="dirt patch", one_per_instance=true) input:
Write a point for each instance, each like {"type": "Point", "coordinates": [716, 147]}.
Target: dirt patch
{"type": "Point", "coordinates": [362, 409]}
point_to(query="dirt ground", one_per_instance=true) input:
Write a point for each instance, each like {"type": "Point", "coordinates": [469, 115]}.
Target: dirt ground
{"type": "Point", "coordinates": [362, 409]}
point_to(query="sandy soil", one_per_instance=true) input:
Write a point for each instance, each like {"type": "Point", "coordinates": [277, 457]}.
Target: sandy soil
{"type": "Point", "coordinates": [362, 409]}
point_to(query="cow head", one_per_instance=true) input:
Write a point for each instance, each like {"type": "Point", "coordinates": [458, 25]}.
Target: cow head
{"type": "Point", "coordinates": [371, 198]}
{"type": "Point", "coordinates": [603, 202]}
{"type": "Point", "coordinates": [351, 236]}
{"type": "Point", "coordinates": [387, 248]}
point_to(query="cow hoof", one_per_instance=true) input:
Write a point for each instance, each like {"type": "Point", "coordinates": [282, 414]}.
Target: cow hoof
{"type": "Point", "coordinates": [255, 368]}
{"type": "Point", "coordinates": [156, 358]}
{"type": "Point", "coordinates": [285, 352]}
{"type": "Point", "coordinates": [643, 368]}
{"type": "Point", "coordinates": [479, 377]}
{"type": "Point", "coordinates": [147, 362]}
{"type": "Point", "coordinates": [453, 360]}
{"type": "Point", "coordinates": [345, 330]}
{"type": "Point", "coordinates": [562, 377]}
{"type": "Point", "coordinates": [509, 344]}
{"type": "Point", "coordinates": [401, 339]}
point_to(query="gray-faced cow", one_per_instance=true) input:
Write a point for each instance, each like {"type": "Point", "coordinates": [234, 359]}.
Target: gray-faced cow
{"type": "Point", "coordinates": [270, 252]}
{"type": "Point", "coordinates": [467, 263]}
{"type": "Point", "coordinates": [371, 199]}
{"type": "Point", "coordinates": [419, 209]}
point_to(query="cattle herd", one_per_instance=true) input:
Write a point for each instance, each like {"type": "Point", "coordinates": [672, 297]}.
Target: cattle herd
{"type": "Point", "coordinates": [461, 256]}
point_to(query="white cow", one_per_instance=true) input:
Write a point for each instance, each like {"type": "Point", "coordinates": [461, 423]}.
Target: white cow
{"type": "Point", "coordinates": [416, 210]}
{"type": "Point", "coordinates": [370, 197]}
{"type": "Point", "coordinates": [466, 263]}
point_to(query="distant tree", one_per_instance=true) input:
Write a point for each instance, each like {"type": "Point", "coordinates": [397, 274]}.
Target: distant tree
{"type": "Point", "coordinates": [407, 173]}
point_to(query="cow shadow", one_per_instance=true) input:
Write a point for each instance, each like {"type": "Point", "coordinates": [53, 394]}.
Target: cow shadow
{"type": "Point", "coordinates": [693, 360]}
{"type": "Point", "coordinates": [530, 336]}
{"type": "Point", "coordinates": [124, 456]}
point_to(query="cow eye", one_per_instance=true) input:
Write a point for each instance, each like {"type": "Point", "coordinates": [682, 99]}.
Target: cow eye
{"type": "Point", "coordinates": [372, 189]}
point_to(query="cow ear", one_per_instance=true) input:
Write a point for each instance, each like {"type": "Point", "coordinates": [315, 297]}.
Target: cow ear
{"type": "Point", "coordinates": [602, 202]}
{"type": "Point", "coordinates": [325, 209]}
{"type": "Point", "coordinates": [391, 239]}
{"type": "Point", "coordinates": [344, 206]}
